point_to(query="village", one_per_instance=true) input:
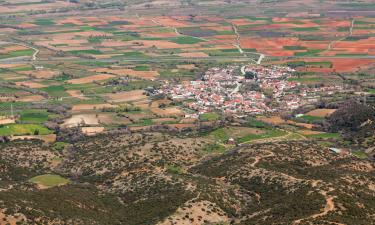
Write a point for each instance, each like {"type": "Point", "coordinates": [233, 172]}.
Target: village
{"type": "Point", "coordinates": [246, 90]}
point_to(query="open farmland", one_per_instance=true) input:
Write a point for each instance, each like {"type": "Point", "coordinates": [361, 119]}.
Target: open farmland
{"type": "Point", "coordinates": [172, 112]}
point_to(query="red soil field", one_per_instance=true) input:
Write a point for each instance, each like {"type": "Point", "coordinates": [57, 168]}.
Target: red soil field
{"type": "Point", "coordinates": [342, 64]}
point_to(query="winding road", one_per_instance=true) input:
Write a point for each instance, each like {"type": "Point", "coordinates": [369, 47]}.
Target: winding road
{"type": "Point", "coordinates": [238, 46]}
{"type": "Point", "coordinates": [34, 57]}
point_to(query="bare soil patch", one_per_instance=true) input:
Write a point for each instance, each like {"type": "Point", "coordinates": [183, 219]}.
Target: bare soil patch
{"type": "Point", "coordinates": [81, 107]}
{"type": "Point", "coordinates": [50, 138]}
{"type": "Point", "coordinates": [128, 96]}
{"type": "Point", "coordinates": [92, 130]}
{"type": "Point", "coordinates": [31, 98]}
{"type": "Point", "coordinates": [186, 67]}
{"type": "Point", "coordinates": [277, 120]}
{"type": "Point", "coordinates": [30, 84]}
{"type": "Point", "coordinates": [321, 112]}
{"type": "Point", "coordinates": [172, 111]}
{"type": "Point", "coordinates": [90, 79]}
{"type": "Point", "coordinates": [124, 72]}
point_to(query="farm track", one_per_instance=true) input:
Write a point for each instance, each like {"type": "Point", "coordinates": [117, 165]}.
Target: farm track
{"type": "Point", "coordinates": [238, 46]}
{"type": "Point", "coordinates": [176, 30]}
{"type": "Point", "coordinates": [330, 206]}
{"type": "Point", "coordinates": [34, 57]}
{"type": "Point", "coordinates": [343, 38]}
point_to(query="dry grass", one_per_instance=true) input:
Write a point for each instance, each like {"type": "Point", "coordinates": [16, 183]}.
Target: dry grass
{"type": "Point", "coordinates": [90, 79]}
{"type": "Point", "coordinates": [128, 96]}
{"type": "Point", "coordinates": [321, 112]}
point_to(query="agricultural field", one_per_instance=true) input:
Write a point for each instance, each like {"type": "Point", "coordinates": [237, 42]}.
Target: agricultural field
{"type": "Point", "coordinates": [49, 180]}
{"type": "Point", "coordinates": [100, 122]}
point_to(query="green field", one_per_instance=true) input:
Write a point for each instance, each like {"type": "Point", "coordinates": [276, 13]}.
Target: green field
{"type": "Point", "coordinates": [310, 119]}
{"type": "Point", "coordinates": [308, 52]}
{"type": "Point", "coordinates": [268, 134]}
{"type": "Point", "coordinates": [89, 51]}
{"type": "Point", "coordinates": [49, 180]}
{"type": "Point", "coordinates": [44, 22]}
{"type": "Point", "coordinates": [210, 116]}
{"type": "Point", "coordinates": [55, 91]}
{"type": "Point", "coordinates": [34, 116]}
{"type": "Point", "coordinates": [27, 52]}
{"type": "Point", "coordinates": [134, 55]}
{"type": "Point", "coordinates": [324, 135]}
{"type": "Point", "coordinates": [214, 148]}
{"type": "Point", "coordinates": [306, 29]}
{"type": "Point", "coordinates": [360, 154]}
{"type": "Point", "coordinates": [23, 129]}
{"type": "Point", "coordinates": [186, 40]}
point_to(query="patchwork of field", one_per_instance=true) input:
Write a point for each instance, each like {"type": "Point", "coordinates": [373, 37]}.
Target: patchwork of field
{"type": "Point", "coordinates": [100, 66]}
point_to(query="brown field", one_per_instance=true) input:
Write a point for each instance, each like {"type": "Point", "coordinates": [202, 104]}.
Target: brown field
{"type": "Point", "coordinates": [8, 66]}
{"type": "Point", "coordinates": [90, 79]}
{"type": "Point", "coordinates": [309, 132]}
{"type": "Point", "coordinates": [76, 120]}
{"type": "Point", "coordinates": [321, 112]}
{"type": "Point", "coordinates": [88, 119]}
{"type": "Point", "coordinates": [157, 103]}
{"type": "Point", "coordinates": [142, 104]}
{"type": "Point", "coordinates": [81, 107]}
{"type": "Point", "coordinates": [92, 130]}
{"type": "Point", "coordinates": [5, 120]}
{"type": "Point", "coordinates": [50, 138]}
{"type": "Point", "coordinates": [12, 48]}
{"type": "Point", "coordinates": [182, 125]}
{"type": "Point", "coordinates": [172, 111]}
{"type": "Point", "coordinates": [30, 84]}
{"type": "Point", "coordinates": [124, 72]}
{"type": "Point", "coordinates": [170, 22]}
{"type": "Point", "coordinates": [342, 65]}
{"type": "Point", "coordinates": [31, 98]}
{"type": "Point", "coordinates": [76, 94]}
{"type": "Point", "coordinates": [276, 120]}
{"type": "Point", "coordinates": [46, 6]}
{"type": "Point", "coordinates": [186, 67]}
{"type": "Point", "coordinates": [188, 120]}
{"type": "Point", "coordinates": [128, 96]}
{"type": "Point", "coordinates": [304, 125]}
{"type": "Point", "coordinates": [41, 74]}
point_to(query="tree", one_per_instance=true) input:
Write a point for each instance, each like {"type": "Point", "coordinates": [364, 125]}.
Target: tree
{"type": "Point", "coordinates": [250, 75]}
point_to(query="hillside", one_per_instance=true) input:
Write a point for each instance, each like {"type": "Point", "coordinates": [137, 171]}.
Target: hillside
{"type": "Point", "coordinates": [155, 178]}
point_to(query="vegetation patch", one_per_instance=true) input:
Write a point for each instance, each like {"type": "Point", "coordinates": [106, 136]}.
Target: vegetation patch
{"type": "Point", "coordinates": [34, 116]}
{"type": "Point", "coordinates": [186, 40]}
{"type": "Point", "coordinates": [214, 148]}
{"type": "Point", "coordinates": [267, 134]}
{"type": "Point", "coordinates": [210, 116]}
{"type": "Point", "coordinates": [324, 135]}
{"type": "Point", "coordinates": [49, 180]}
{"type": "Point", "coordinates": [23, 129]}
